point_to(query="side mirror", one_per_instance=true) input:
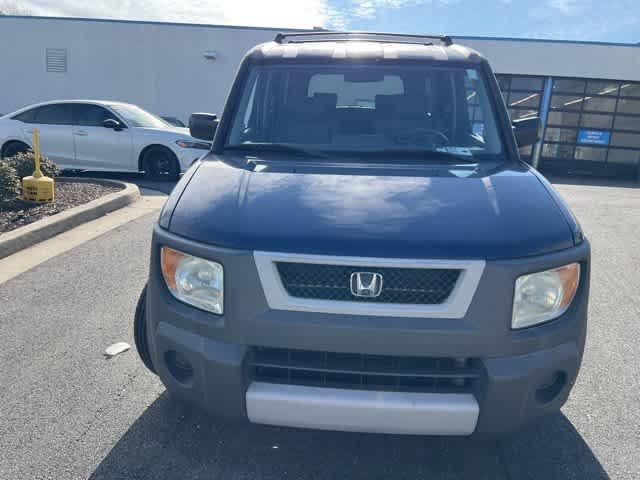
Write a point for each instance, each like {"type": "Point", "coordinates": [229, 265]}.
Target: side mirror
{"type": "Point", "coordinates": [527, 131]}
{"type": "Point", "coordinates": [203, 125]}
{"type": "Point", "coordinates": [111, 123]}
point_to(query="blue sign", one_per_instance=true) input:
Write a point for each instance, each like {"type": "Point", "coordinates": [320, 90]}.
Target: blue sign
{"type": "Point", "coordinates": [594, 137]}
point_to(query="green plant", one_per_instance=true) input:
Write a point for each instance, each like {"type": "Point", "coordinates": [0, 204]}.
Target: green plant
{"type": "Point", "coordinates": [25, 164]}
{"type": "Point", "coordinates": [9, 182]}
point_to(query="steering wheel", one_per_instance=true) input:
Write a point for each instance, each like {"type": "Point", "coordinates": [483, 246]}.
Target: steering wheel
{"type": "Point", "coordinates": [420, 136]}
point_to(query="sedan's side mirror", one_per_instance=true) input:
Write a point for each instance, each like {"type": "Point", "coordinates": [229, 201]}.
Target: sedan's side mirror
{"type": "Point", "coordinates": [203, 125]}
{"type": "Point", "coordinates": [113, 124]}
{"type": "Point", "coordinates": [527, 131]}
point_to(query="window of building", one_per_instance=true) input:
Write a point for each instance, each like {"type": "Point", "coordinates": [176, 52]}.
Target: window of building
{"type": "Point", "coordinates": [592, 122]}
{"type": "Point", "coordinates": [624, 122]}
{"type": "Point", "coordinates": [629, 89]}
{"type": "Point", "coordinates": [596, 120]}
{"type": "Point", "coordinates": [629, 105]}
{"type": "Point", "coordinates": [522, 95]}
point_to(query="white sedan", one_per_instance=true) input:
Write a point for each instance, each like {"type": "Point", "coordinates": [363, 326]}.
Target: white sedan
{"type": "Point", "coordinates": [102, 136]}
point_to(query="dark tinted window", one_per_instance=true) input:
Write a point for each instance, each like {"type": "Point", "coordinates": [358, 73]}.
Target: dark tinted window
{"type": "Point", "coordinates": [560, 135]}
{"type": "Point", "coordinates": [568, 85]}
{"type": "Point", "coordinates": [563, 118]}
{"type": "Point", "coordinates": [627, 123]}
{"type": "Point", "coordinates": [602, 87]}
{"type": "Point", "coordinates": [26, 117]}
{"type": "Point", "coordinates": [593, 154]}
{"type": "Point", "coordinates": [627, 105]}
{"type": "Point", "coordinates": [526, 83]}
{"type": "Point", "coordinates": [596, 120]}
{"type": "Point", "coordinates": [56, 114]}
{"type": "Point", "coordinates": [617, 155]}
{"type": "Point", "coordinates": [567, 102]}
{"type": "Point", "coordinates": [91, 115]}
{"type": "Point", "coordinates": [600, 104]}
{"type": "Point", "coordinates": [630, 90]}
{"type": "Point", "coordinates": [620, 139]}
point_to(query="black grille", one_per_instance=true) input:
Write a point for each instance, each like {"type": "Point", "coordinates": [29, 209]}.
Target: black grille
{"type": "Point", "coordinates": [363, 372]}
{"type": "Point", "coordinates": [425, 286]}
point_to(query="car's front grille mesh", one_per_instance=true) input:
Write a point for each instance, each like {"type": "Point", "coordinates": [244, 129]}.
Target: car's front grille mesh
{"type": "Point", "coordinates": [421, 286]}
{"type": "Point", "coordinates": [363, 372]}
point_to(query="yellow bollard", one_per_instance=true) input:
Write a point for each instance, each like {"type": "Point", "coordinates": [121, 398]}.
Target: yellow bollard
{"type": "Point", "coordinates": [37, 187]}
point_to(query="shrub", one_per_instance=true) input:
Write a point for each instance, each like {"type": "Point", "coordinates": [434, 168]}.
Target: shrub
{"type": "Point", "coordinates": [9, 182]}
{"type": "Point", "coordinates": [25, 164]}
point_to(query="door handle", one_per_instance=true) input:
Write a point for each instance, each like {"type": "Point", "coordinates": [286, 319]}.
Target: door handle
{"type": "Point", "coordinates": [31, 131]}
{"type": "Point", "coordinates": [80, 133]}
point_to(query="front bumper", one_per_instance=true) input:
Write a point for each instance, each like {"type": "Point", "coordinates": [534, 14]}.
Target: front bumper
{"type": "Point", "coordinates": [522, 374]}
{"type": "Point", "coordinates": [187, 156]}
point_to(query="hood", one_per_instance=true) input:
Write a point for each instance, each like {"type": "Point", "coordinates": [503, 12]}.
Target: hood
{"type": "Point", "coordinates": [366, 211]}
{"type": "Point", "coordinates": [178, 132]}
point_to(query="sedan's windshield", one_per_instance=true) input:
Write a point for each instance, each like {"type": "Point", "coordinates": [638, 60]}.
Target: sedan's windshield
{"type": "Point", "coordinates": [362, 109]}
{"type": "Point", "coordinates": [137, 117]}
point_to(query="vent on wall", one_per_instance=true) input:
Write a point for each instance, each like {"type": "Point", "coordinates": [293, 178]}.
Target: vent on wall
{"type": "Point", "coordinates": [57, 60]}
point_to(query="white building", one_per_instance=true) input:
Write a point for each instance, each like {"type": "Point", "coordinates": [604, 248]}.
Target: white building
{"type": "Point", "coordinates": [587, 93]}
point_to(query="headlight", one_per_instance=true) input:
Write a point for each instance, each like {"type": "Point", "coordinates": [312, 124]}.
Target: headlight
{"type": "Point", "coordinates": [190, 144]}
{"type": "Point", "coordinates": [543, 296]}
{"type": "Point", "coordinates": [193, 280]}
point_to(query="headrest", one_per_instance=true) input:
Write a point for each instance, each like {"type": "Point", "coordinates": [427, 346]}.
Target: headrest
{"type": "Point", "coordinates": [402, 104]}
{"type": "Point", "coordinates": [319, 103]}
{"type": "Point", "coordinates": [327, 100]}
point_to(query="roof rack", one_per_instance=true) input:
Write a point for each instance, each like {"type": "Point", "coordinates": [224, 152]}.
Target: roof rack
{"type": "Point", "coordinates": [332, 36]}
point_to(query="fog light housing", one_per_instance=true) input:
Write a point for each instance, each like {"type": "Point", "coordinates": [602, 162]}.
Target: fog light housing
{"type": "Point", "coordinates": [179, 366]}
{"type": "Point", "coordinates": [551, 389]}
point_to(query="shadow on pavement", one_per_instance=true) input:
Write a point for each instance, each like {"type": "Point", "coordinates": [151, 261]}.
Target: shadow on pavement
{"type": "Point", "coordinates": [170, 440]}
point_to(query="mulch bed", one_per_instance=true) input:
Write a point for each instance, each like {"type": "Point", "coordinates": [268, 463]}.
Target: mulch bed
{"type": "Point", "coordinates": [17, 213]}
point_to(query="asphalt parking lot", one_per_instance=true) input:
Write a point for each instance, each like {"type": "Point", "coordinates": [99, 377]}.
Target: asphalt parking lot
{"type": "Point", "coordinates": [67, 412]}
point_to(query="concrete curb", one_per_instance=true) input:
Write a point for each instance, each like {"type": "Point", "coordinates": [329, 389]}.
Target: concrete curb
{"type": "Point", "coordinates": [23, 237]}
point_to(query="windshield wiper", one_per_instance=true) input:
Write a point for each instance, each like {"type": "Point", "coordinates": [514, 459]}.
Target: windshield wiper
{"type": "Point", "coordinates": [276, 147]}
{"type": "Point", "coordinates": [422, 154]}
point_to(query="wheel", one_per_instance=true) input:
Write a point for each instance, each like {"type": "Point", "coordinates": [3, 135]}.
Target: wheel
{"type": "Point", "coordinates": [160, 164]}
{"type": "Point", "coordinates": [13, 148]}
{"type": "Point", "coordinates": [140, 331]}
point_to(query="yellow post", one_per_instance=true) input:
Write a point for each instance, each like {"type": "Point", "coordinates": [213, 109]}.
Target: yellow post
{"type": "Point", "coordinates": [37, 187]}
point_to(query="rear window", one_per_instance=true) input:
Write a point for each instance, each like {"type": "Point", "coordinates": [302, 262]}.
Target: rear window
{"type": "Point", "coordinates": [352, 94]}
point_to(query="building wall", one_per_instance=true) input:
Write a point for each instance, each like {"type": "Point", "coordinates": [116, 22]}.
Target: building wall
{"type": "Point", "coordinates": [159, 67]}
{"type": "Point", "coordinates": [560, 59]}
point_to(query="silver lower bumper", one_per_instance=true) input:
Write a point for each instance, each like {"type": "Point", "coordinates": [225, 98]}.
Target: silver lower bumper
{"type": "Point", "coordinates": [361, 410]}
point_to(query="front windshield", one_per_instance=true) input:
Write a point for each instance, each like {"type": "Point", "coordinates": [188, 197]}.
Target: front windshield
{"type": "Point", "coordinates": [137, 117]}
{"type": "Point", "coordinates": [374, 109]}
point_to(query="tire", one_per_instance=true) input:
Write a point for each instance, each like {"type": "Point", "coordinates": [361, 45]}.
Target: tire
{"type": "Point", "coordinates": [160, 164]}
{"type": "Point", "coordinates": [140, 331]}
{"type": "Point", "coordinates": [14, 148]}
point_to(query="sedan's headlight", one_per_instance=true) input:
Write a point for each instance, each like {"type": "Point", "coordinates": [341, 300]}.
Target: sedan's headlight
{"type": "Point", "coordinates": [191, 144]}
{"type": "Point", "coordinates": [543, 296]}
{"type": "Point", "coordinates": [193, 280]}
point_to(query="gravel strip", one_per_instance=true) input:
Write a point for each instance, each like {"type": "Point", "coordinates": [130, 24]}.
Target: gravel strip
{"type": "Point", "coordinates": [18, 213]}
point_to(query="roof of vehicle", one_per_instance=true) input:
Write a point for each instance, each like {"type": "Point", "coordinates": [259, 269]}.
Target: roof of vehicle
{"type": "Point", "coordinates": [320, 45]}
{"type": "Point", "coordinates": [109, 103]}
